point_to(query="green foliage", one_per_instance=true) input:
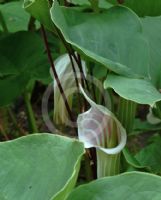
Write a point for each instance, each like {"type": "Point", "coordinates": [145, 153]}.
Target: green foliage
{"type": "Point", "coordinates": [12, 87]}
{"type": "Point", "coordinates": [132, 161]}
{"type": "Point", "coordinates": [112, 34]}
{"type": "Point", "coordinates": [39, 9]}
{"type": "Point", "coordinates": [120, 45]}
{"type": "Point", "coordinates": [143, 7]}
{"type": "Point", "coordinates": [144, 126]}
{"type": "Point", "coordinates": [130, 186]}
{"type": "Point", "coordinates": [15, 17]}
{"type": "Point", "coordinates": [151, 31]}
{"type": "Point", "coordinates": [137, 90]}
{"type": "Point", "coordinates": [39, 166]}
{"type": "Point", "coordinates": [101, 4]}
{"type": "Point", "coordinates": [23, 59]}
{"type": "Point", "coordinates": [151, 156]}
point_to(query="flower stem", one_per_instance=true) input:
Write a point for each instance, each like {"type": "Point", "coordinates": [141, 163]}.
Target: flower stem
{"type": "Point", "coordinates": [30, 113]}
{"type": "Point", "coordinates": [107, 165]}
{"type": "Point", "coordinates": [55, 74]}
{"type": "Point", "coordinates": [76, 79]}
{"type": "Point", "coordinates": [126, 113]}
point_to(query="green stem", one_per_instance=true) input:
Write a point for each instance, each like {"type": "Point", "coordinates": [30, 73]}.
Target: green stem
{"type": "Point", "coordinates": [111, 99]}
{"type": "Point", "coordinates": [14, 120]}
{"type": "Point", "coordinates": [95, 5]}
{"type": "Point", "coordinates": [4, 123]}
{"type": "Point", "coordinates": [113, 137]}
{"type": "Point", "coordinates": [3, 132]}
{"type": "Point", "coordinates": [3, 23]}
{"type": "Point", "coordinates": [126, 113]}
{"type": "Point", "coordinates": [56, 75]}
{"type": "Point", "coordinates": [30, 113]}
{"type": "Point", "coordinates": [107, 165]}
{"type": "Point", "coordinates": [4, 119]}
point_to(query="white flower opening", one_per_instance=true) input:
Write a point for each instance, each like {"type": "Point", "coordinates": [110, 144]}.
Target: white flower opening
{"type": "Point", "coordinates": [95, 127]}
{"type": "Point", "coordinates": [66, 76]}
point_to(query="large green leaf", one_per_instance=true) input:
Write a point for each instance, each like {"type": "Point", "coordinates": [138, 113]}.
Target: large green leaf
{"type": "Point", "coordinates": [24, 50]}
{"type": "Point", "coordinates": [151, 156]}
{"type": "Point", "coordinates": [132, 161]}
{"type": "Point", "coordinates": [152, 31]}
{"type": "Point", "coordinates": [39, 167]}
{"type": "Point", "coordinates": [80, 2]}
{"type": "Point", "coordinates": [137, 90]}
{"type": "Point", "coordinates": [22, 58]}
{"type": "Point", "coordinates": [143, 7]}
{"type": "Point", "coordinates": [5, 64]}
{"type": "Point", "coordinates": [144, 126]}
{"type": "Point", "coordinates": [40, 10]}
{"type": "Point", "coordinates": [102, 3]}
{"type": "Point", "coordinates": [11, 87]}
{"type": "Point", "coordinates": [14, 15]}
{"type": "Point", "coordinates": [113, 37]}
{"type": "Point", "coordinates": [131, 186]}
